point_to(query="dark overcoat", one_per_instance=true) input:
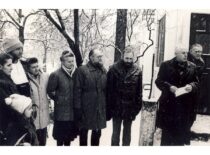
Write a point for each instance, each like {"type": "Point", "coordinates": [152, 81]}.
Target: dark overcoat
{"type": "Point", "coordinates": [90, 96]}
{"type": "Point", "coordinates": [176, 112]}
{"type": "Point", "coordinates": [60, 89]}
{"type": "Point", "coordinates": [124, 91]}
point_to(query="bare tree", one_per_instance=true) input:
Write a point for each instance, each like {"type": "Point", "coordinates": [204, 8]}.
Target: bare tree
{"type": "Point", "coordinates": [18, 20]}
{"type": "Point", "coordinates": [97, 30]}
{"type": "Point", "coordinates": [132, 19]}
{"type": "Point", "coordinates": [58, 22]}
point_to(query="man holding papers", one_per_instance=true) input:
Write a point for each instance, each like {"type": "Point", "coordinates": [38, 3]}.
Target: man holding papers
{"type": "Point", "coordinates": [178, 82]}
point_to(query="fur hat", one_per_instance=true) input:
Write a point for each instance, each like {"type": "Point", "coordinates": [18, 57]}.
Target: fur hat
{"type": "Point", "coordinates": [18, 102]}
{"type": "Point", "coordinates": [10, 44]}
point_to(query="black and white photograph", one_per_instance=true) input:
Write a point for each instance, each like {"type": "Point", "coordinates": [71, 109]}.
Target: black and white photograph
{"type": "Point", "coordinates": [104, 76]}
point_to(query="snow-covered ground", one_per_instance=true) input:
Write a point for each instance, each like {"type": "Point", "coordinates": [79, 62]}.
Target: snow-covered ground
{"type": "Point", "coordinates": [201, 125]}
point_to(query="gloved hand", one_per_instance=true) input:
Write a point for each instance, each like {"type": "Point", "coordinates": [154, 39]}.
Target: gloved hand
{"type": "Point", "coordinates": [34, 111]}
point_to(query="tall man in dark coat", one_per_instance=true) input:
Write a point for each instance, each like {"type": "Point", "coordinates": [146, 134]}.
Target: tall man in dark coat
{"type": "Point", "coordinates": [90, 98]}
{"type": "Point", "coordinates": [175, 113]}
{"type": "Point", "coordinates": [124, 96]}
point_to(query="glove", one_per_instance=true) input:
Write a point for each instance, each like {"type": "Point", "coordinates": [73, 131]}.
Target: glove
{"type": "Point", "coordinates": [34, 111]}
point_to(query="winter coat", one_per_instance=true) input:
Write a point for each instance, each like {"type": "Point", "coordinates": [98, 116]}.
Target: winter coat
{"type": "Point", "coordinates": [200, 68]}
{"type": "Point", "coordinates": [60, 89]}
{"type": "Point", "coordinates": [40, 99]}
{"type": "Point", "coordinates": [9, 117]}
{"type": "Point", "coordinates": [176, 112]}
{"type": "Point", "coordinates": [200, 64]}
{"type": "Point", "coordinates": [7, 88]}
{"type": "Point", "coordinates": [23, 129]}
{"type": "Point", "coordinates": [90, 96]}
{"type": "Point", "coordinates": [124, 91]}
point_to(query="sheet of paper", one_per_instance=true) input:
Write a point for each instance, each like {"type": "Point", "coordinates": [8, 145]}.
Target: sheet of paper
{"type": "Point", "coordinates": [180, 91]}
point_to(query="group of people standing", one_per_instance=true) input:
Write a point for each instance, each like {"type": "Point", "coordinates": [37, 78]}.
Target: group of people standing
{"type": "Point", "coordinates": [85, 98]}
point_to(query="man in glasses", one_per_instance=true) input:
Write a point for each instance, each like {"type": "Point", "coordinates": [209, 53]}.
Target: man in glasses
{"type": "Point", "coordinates": [194, 56]}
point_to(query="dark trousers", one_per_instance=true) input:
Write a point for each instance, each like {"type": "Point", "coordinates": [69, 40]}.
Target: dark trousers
{"type": "Point", "coordinates": [126, 132]}
{"type": "Point", "coordinates": [95, 137]}
{"type": "Point", "coordinates": [63, 143]}
{"type": "Point", "coordinates": [174, 137]}
{"type": "Point", "coordinates": [42, 136]}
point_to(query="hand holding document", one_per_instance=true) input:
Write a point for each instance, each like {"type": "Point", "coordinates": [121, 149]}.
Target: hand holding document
{"type": "Point", "coordinates": [183, 90]}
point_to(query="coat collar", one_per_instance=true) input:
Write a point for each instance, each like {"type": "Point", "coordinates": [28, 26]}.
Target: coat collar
{"type": "Point", "coordinates": [33, 79]}
{"type": "Point", "coordinates": [93, 68]}
{"type": "Point", "coordinates": [119, 67]}
{"type": "Point", "coordinates": [181, 65]}
{"type": "Point", "coordinates": [65, 72]}
{"type": "Point", "coordinates": [4, 76]}
{"type": "Point", "coordinates": [196, 61]}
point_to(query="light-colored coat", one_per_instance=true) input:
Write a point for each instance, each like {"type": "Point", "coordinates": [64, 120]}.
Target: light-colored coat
{"type": "Point", "coordinates": [39, 97]}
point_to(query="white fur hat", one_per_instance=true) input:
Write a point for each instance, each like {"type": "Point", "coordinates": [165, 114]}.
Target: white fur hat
{"type": "Point", "coordinates": [18, 102]}
{"type": "Point", "coordinates": [10, 44]}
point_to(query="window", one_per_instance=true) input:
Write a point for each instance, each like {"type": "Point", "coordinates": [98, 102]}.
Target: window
{"type": "Point", "coordinates": [161, 40]}
{"type": "Point", "coordinates": [200, 31]}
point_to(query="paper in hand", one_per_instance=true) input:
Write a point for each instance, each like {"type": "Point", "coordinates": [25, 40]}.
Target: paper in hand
{"type": "Point", "coordinates": [180, 91]}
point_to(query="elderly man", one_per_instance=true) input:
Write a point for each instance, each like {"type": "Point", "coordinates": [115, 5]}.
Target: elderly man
{"type": "Point", "coordinates": [124, 96]}
{"type": "Point", "coordinates": [177, 79]}
{"type": "Point", "coordinates": [90, 98]}
{"type": "Point", "coordinates": [194, 56]}
{"type": "Point", "coordinates": [14, 47]}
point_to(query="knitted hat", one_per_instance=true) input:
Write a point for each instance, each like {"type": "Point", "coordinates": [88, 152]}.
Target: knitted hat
{"type": "Point", "coordinates": [18, 102]}
{"type": "Point", "coordinates": [10, 44]}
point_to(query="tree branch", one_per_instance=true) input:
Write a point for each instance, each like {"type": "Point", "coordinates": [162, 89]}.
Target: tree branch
{"type": "Point", "coordinates": [132, 22]}
{"type": "Point", "coordinates": [97, 28]}
{"type": "Point", "coordinates": [16, 12]}
{"type": "Point", "coordinates": [60, 19]}
{"type": "Point", "coordinates": [83, 12]}
{"type": "Point", "coordinates": [30, 14]}
{"type": "Point", "coordinates": [48, 15]}
{"type": "Point", "coordinates": [7, 21]}
{"type": "Point", "coordinates": [10, 16]}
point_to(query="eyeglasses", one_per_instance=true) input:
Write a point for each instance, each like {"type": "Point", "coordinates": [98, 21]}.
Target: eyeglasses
{"type": "Point", "coordinates": [198, 51]}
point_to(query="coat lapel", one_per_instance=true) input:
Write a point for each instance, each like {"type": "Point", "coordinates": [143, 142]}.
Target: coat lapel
{"type": "Point", "coordinates": [33, 80]}
{"type": "Point", "coordinates": [130, 72]}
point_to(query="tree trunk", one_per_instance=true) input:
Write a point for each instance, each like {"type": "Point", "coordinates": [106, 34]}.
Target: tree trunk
{"type": "Point", "coordinates": [76, 38]}
{"type": "Point", "coordinates": [21, 28]}
{"type": "Point", "coordinates": [21, 34]}
{"type": "Point", "coordinates": [120, 33]}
